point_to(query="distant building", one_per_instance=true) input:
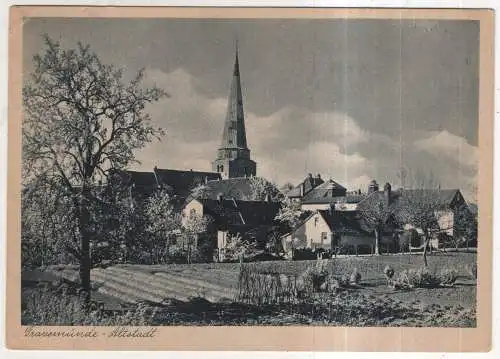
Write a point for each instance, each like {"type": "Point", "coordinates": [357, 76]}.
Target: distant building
{"type": "Point", "coordinates": [233, 156]}
{"type": "Point", "coordinates": [303, 188]}
{"type": "Point", "coordinates": [450, 208]}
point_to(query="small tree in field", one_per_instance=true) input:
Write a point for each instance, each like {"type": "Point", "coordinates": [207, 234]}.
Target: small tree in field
{"type": "Point", "coordinates": [376, 216]}
{"type": "Point", "coordinates": [81, 121]}
{"type": "Point", "coordinates": [419, 206]}
{"type": "Point", "coordinates": [162, 224]}
{"type": "Point", "coordinates": [193, 227]}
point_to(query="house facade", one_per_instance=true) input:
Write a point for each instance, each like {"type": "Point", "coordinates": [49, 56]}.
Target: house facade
{"type": "Point", "coordinates": [251, 220]}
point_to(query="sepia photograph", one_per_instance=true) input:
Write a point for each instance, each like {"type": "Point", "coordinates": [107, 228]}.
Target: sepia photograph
{"type": "Point", "coordinates": [259, 172]}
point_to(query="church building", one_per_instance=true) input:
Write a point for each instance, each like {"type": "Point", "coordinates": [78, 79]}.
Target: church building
{"type": "Point", "coordinates": [233, 156]}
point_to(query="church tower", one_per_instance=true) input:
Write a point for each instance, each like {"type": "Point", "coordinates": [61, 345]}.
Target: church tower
{"type": "Point", "coordinates": [233, 156]}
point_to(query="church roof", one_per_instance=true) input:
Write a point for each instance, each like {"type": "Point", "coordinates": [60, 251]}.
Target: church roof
{"type": "Point", "coordinates": [182, 182]}
{"type": "Point", "coordinates": [177, 182]}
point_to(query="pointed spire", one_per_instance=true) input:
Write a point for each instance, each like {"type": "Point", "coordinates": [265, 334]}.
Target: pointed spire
{"type": "Point", "coordinates": [234, 135]}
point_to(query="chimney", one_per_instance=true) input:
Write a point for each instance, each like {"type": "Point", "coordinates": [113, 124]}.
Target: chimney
{"type": "Point", "coordinates": [387, 193]}
{"type": "Point", "coordinates": [206, 179]}
{"type": "Point", "coordinates": [268, 198]}
{"type": "Point", "coordinates": [372, 187]}
{"type": "Point", "coordinates": [302, 185]}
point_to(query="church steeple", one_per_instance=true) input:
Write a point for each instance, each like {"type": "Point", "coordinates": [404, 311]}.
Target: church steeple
{"type": "Point", "coordinates": [234, 135]}
{"type": "Point", "coordinates": [233, 155]}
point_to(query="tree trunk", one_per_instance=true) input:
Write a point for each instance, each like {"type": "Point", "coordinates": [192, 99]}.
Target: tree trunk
{"type": "Point", "coordinates": [426, 243]}
{"type": "Point", "coordinates": [85, 236]}
{"type": "Point", "coordinates": [377, 240]}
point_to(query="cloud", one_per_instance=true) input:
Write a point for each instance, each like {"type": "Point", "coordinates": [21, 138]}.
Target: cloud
{"type": "Point", "coordinates": [452, 147]}
{"type": "Point", "coordinates": [293, 141]}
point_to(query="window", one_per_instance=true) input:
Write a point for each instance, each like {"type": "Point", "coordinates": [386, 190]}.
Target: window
{"type": "Point", "coordinates": [221, 168]}
{"type": "Point", "coordinates": [316, 220]}
{"type": "Point", "coordinates": [192, 212]}
{"type": "Point", "coordinates": [324, 237]}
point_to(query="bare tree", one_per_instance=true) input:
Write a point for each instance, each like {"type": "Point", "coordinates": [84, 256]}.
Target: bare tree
{"type": "Point", "coordinates": [377, 215]}
{"type": "Point", "coordinates": [418, 206]}
{"type": "Point", "coordinates": [80, 121]}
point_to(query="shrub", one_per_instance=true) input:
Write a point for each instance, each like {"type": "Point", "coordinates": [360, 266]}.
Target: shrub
{"type": "Point", "coordinates": [388, 272]}
{"type": "Point", "coordinates": [425, 278]}
{"type": "Point", "coordinates": [471, 270]}
{"type": "Point", "coordinates": [355, 277]}
{"type": "Point", "coordinates": [303, 254]}
{"type": "Point", "coordinates": [315, 276]}
{"type": "Point", "coordinates": [269, 288]}
{"type": "Point", "coordinates": [448, 276]}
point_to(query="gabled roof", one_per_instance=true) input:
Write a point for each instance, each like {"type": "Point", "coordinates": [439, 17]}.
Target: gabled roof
{"type": "Point", "coordinates": [182, 182]}
{"type": "Point", "coordinates": [445, 198]}
{"type": "Point", "coordinates": [344, 223]}
{"type": "Point", "coordinates": [327, 192]}
{"type": "Point", "coordinates": [340, 222]}
{"type": "Point", "coordinates": [238, 188]}
{"type": "Point", "coordinates": [308, 184]}
{"type": "Point", "coordinates": [233, 212]}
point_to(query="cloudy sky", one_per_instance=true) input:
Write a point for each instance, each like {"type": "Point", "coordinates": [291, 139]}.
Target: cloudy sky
{"type": "Point", "coordinates": [350, 99]}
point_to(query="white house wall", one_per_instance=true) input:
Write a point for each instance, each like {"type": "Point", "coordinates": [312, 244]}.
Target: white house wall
{"type": "Point", "coordinates": [192, 207]}
{"type": "Point", "coordinates": [315, 207]}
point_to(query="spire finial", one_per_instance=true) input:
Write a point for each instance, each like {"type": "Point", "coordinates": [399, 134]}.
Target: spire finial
{"type": "Point", "coordinates": [236, 71]}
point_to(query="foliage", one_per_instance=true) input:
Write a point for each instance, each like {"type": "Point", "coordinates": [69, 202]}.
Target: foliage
{"type": "Point", "coordinates": [238, 248]}
{"type": "Point", "coordinates": [192, 229]}
{"type": "Point", "coordinates": [418, 206]}
{"type": "Point", "coordinates": [355, 277]}
{"type": "Point", "coordinates": [425, 278]}
{"type": "Point", "coordinates": [471, 270]}
{"type": "Point", "coordinates": [163, 225]}
{"type": "Point", "coordinates": [81, 122]}
{"type": "Point", "coordinates": [290, 215]}
{"type": "Point", "coordinates": [261, 189]}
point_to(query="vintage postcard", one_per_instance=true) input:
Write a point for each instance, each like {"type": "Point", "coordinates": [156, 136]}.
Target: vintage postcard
{"type": "Point", "coordinates": [250, 179]}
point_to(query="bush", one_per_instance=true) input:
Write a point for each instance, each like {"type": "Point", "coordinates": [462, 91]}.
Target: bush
{"type": "Point", "coordinates": [355, 277]}
{"type": "Point", "coordinates": [448, 276]}
{"type": "Point", "coordinates": [425, 278]}
{"type": "Point", "coordinates": [304, 254]}
{"type": "Point", "coordinates": [59, 305]}
{"type": "Point", "coordinates": [471, 270]}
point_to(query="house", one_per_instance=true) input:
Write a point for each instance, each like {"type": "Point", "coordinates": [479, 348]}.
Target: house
{"type": "Point", "coordinates": [303, 188]}
{"type": "Point", "coordinates": [324, 196]}
{"type": "Point", "coordinates": [328, 229]}
{"type": "Point", "coordinates": [449, 207]}
{"type": "Point", "coordinates": [250, 219]}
